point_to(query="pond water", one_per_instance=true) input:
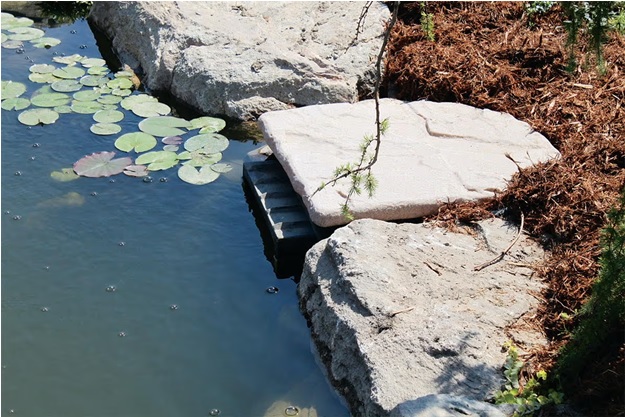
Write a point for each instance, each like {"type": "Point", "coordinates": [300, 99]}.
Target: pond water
{"type": "Point", "coordinates": [128, 298]}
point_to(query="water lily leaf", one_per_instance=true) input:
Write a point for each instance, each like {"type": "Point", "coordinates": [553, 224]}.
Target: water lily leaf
{"type": "Point", "coordinates": [208, 142]}
{"type": "Point", "coordinates": [3, 37]}
{"type": "Point", "coordinates": [101, 164]}
{"type": "Point", "coordinates": [69, 73]}
{"type": "Point", "coordinates": [208, 124]}
{"type": "Point", "coordinates": [15, 103]}
{"type": "Point", "coordinates": [86, 95]}
{"type": "Point", "coordinates": [103, 89]}
{"type": "Point", "coordinates": [109, 99]}
{"type": "Point", "coordinates": [64, 175]}
{"type": "Point", "coordinates": [42, 68]}
{"type": "Point", "coordinates": [222, 167]}
{"type": "Point", "coordinates": [104, 129]}
{"type": "Point", "coordinates": [109, 106]}
{"type": "Point", "coordinates": [25, 33]}
{"type": "Point", "coordinates": [129, 102]}
{"type": "Point", "coordinates": [137, 141]}
{"type": "Point", "coordinates": [86, 107]}
{"type": "Point", "coordinates": [50, 99]}
{"type": "Point", "coordinates": [121, 92]}
{"type": "Point", "coordinates": [68, 60]}
{"type": "Point", "coordinates": [190, 174]}
{"type": "Point", "coordinates": [11, 44]}
{"type": "Point", "coordinates": [158, 160]}
{"type": "Point", "coordinates": [66, 86]}
{"type": "Point", "coordinates": [108, 116]}
{"type": "Point", "coordinates": [46, 89]}
{"type": "Point", "coordinates": [136, 171]}
{"type": "Point", "coordinates": [14, 22]}
{"type": "Point", "coordinates": [151, 109]}
{"type": "Point", "coordinates": [163, 126]}
{"type": "Point", "coordinates": [62, 109]}
{"type": "Point", "coordinates": [122, 83]}
{"type": "Point", "coordinates": [45, 42]}
{"type": "Point", "coordinates": [42, 78]}
{"type": "Point", "coordinates": [93, 81]}
{"type": "Point", "coordinates": [34, 117]}
{"type": "Point", "coordinates": [98, 71]}
{"type": "Point", "coordinates": [171, 148]}
{"type": "Point", "coordinates": [172, 140]}
{"type": "Point", "coordinates": [199, 159]}
{"type": "Point", "coordinates": [185, 155]}
{"type": "Point", "coordinates": [12, 89]}
{"type": "Point", "coordinates": [92, 62]}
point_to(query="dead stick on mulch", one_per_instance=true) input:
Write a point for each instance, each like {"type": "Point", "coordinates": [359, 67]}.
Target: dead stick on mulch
{"type": "Point", "coordinates": [502, 254]}
{"type": "Point", "coordinates": [405, 310]}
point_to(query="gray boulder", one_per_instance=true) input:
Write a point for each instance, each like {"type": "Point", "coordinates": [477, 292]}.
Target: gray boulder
{"type": "Point", "coordinates": [241, 59]}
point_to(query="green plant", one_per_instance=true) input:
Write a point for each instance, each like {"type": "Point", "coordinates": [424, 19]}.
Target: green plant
{"type": "Point", "coordinates": [617, 20]}
{"type": "Point", "coordinates": [427, 23]}
{"type": "Point", "coordinates": [527, 398]}
{"type": "Point", "coordinates": [534, 8]}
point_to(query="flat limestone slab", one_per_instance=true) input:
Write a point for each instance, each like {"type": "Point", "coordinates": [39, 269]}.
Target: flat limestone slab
{"type": "Point", "coordinates": [433, 153]}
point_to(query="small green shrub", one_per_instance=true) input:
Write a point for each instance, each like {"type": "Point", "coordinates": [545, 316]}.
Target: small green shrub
{"type": "Point", "coordinates": [534, 8]}
{"type": "Point", "coordinates": [427, 23]}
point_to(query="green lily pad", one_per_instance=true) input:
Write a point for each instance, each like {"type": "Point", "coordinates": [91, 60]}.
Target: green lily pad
{"type": "Point", "coordinates": [62, 109]}
{"type": "Point", "coordinates": [208, 142]}
{"type": "Point", "coordinates": [137, 141]}
{"type": "Point", "coordinates": [122, 83]}
{"type": "Point", "coordinates": [208, 124]}
{"type": "Point", "coordinates": [15, 103]}
{"type": "Point", "coordinates": [108, 116]}
{"type": "Point", "coordinates": [121, 92]}
{"type": "Point", "coordinates": [93, 81]}
{"type": "Point", "coordinates": [171, 148]}
{"type": "Point", "coordinates": [64, 175]}
{"type": "Point", "coordinates": [3, 37]}
{"type": "Point", "coordinates": [172, 140]}
{"type": "Point", "coordinates": [92, 62]}
{"type": "Point", "coordinates": [12, 89]}
{"type": "Point", "coordinates": [222, 167]}
{"type": "Point", "coordinates": [129, 102]}
{"type": "Point", "coordinates": [109, 99]}
{"type": "Point", "coordinates": [190, 174]}
{"type": "Point", "coordinates": [50, 99]}
{"type": "Point", "coordinates": [199, 159]}
{"type": "Point", "coordinates": [14, 22]}
{"type": "Point", "coordinates": [25, 33]}
{"type": "Point", "coordinates": [163, 126]}
{"type": "Point", "coordinates": [103, 89]}
{"type": "Point", "coordinates": [45, 42]}
{"type": "Point", "coordinates": [66, 86]}
{"type": "Point", "coordinates": [11, 44]}
{"type": "Point", "coordinates": [136, 171]}
{"type": "Point", "coordinates": [124, 73]}
{"type": "Point", "coordinates": [151, 109]}
{"type": "Point", "coordinates": [68, 60]}
{"type": "Point", "coordinates": [42, 78]}
{"type": "Point", "coordinates": [86, 95]}
{"type": "Point", "coordinates": [69, 73]}
{"type": "Point", "coordinates": [108, 106]}
{"type": "Point", "coordinates": [98, 71]}
{"type": "Point", "coordinates": [86, 107]}
{"type": "Point", "coordinates": [184, 155]}
{"type": "Point", "coordinates": [42, 68]}
{"type": "Point", "coordinates": [100, 164]}
{"type": "Point", "coordinates": [104, 129]}
{"type": "Point", "coordinates": [158, 160]}
{"type": "Point", "coordinates": [34, 117]}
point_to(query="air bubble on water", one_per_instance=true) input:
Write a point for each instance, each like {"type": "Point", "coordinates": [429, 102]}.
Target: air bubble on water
{"type": "Point", "coordinates": [272, 290]}
{"type": "Point", "coordinates": [83, 46]}
{"type": "Point", "coordinates": [36, 145]}
{"type": "Point", "coordinates": [111, 288]}
{"type": "Point", "coordinates": [44, 309]}
{"type": "Point", "coordinates": [32, 158]}
{"type": "Point", "coordinates": [121, 334]}
{"type": "Point", "coordinates": [121, 244]}
{"type": "Point", "coordinates": [47, 268]}
{"type": "Point", "coordinates": [112, 180]}
{"type": "Point", "coordinates": [93, 194]}
{"type": "Point", "coordinates": [17, 217]}
{"type": "Point", "coordinates": [147, 179]}
{"type": "Point", "coordinates": [18, 173]}
{"type": "Point", "coordinates": [163, 179]}
{"type": "Point", "coordinates": [7, 212]}
{"type": "Point", "coordinates": [291, 411]}
{"type": "Point", "coordinates": [73, 31]}
{"type": "Point", "coordinates": [214, 412]}
{"type": "Point", "coordinates": [173, 307]}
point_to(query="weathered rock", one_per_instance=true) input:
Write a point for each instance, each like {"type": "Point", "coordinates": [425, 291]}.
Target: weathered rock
{"type": "Point", "coordinates": [398, 312]}
{"type": "Point", "coordinates": [241, 59]}
{"type": "Point", "coordinates": [443, 405]}
{"type": "Point", "coordinates": [433, 153]}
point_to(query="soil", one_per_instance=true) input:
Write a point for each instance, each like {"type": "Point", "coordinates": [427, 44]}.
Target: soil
{"type": "Point", "coordinates": [494, 55]}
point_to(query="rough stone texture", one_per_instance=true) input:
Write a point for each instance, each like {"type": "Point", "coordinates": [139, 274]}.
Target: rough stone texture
{"type": "Point", "coordinates": [397, 311]}
{"type": "Point", "coordinates": [444, 405]}
{"type": "Point", "coordinates": [433, 153]}
{"type": "Point", "coordinates": [241, 59]}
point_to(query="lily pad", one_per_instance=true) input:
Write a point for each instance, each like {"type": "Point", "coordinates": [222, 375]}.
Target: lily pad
{"type": "Point", "coordinates": [158, 160]}
{"type": "Point", "coordinates": [93, 81]}
{"type": "Point", "coordinates": [12, 89]}
{"type": "Point", "coordinates": [86, 95]}
{"type": "Point", "coordinates": [104, 129]}
{"type": "Point", "coordinates": [15, 103]}
{"type": "Point", "coordinates": [64, 175]}
{"type": "Point", "coordinates": [163, 126]}
{"type": "Point", "coordinates": [98, 71]}
{"type": "Point", "coordinates": [25, 33]}
{"type": "Point", "coordinates": [190, 174]}
{"type": "Point", "coordinates": [109, 99]}
{"type": "Point", "coordinates": [68, 60]}
{"type": "Point", "coordinates": [50, 99]}
{"type": "Point", "coordinates": [199, 159]}
{"type": "Point", "coordinates": [122, 83]}
{"type": "Point", "coordinates": [137, 141]}
{"type": "Point", "coordinates": [100, 164]}
{"type": "Point", "coordinates": [151, 109]}
{"type": "Point", "coordinates": [208, 142]}
{"type": "Point", "coordinates": [45, 42]}
{"type": "Point", "coordinates": [10, 21]}
{"type": "Point", "coordinates": [172, 140]}
{"type": "Point", "coordinates": [92, 62]}
{"type": "Point", "coordinates": [121, 92]}
{"type": "Point", "coordinates": [11, 44]}
{"type": "Point", "coordinates": [86, 107]}
{"type": "Point", "coordinates": [108, 116]}
{"type": "Point", "coordinates": [3, 37]}
{"type": "Point", "coordinates": [69, 73]}
{"type": "Point", "coordinates": [129, 102]}
{"type": "Point", "coordinates": [136, 171]}
{"type": "Point", "coordinates": [34, 117]}
{"type": "Point", "coordinates": [66, 86]}
{"type": "Point", "coordinates": [42, 78]}
{"type": "Point", "coordinates": [222, 167]}
{"type": "Point", "coordinates": [171, 148]}
{"type": "Point", "coordinates": [62, 109]}
{"type": "Point", "coordinates": [208, 124]}
{"type": "Point", "coordinates": [42, 68]}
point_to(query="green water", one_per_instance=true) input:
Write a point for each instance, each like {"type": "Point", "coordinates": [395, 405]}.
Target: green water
{"type": "Point", "coordinates": [189, 327]}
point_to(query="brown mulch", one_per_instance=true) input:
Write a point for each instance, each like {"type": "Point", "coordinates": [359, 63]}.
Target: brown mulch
{"type": "Point", "coordinates": [487, 55]}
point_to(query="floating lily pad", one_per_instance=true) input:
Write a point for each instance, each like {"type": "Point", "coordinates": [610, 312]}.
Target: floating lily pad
{"type": "Point", "coordinates": [66, 86]}
{"type": "Point", "coordinates": [62, 109]}
{"type": "Point", "coordinates": [71, 59]}
{"type": "Point", "coordinates": [69, 73]}
{"type": "Point", "coordinates": [101, 164]}
{"type": "Point", "coordinates": [109, 99]}
{"type": "Point", "coordinates": [136, 171]}
{"type": "Point", "coordinates": [163, 126]}
{"type": "Point", "coordinates": [64, 175]}
{"type": "Point", "coordinates": [199, 159]}
{"type": "Point", "coordinates": [151, 109]}
{"type": "Point", "coordinates": [171, 148]}
{"type": "Point", "coordinates": [103, 89]}
{"type": "Point", "coordinates": [98, 71]}
{"type": "Point", "coordinates": [137, 141]}
{"type": "Point", "coordinates": [86, 95]}
{"type": "Point", "coordinates": [124, 73]}
{"type": "Point", "coordinates": [129, 102]}
{"type": "Point", "coordinates": [108, 116]}
{"type": "Point", "coordinates": [12, 89]}
{"type": "Point", "coordinates": [25, 33]}
{"type": "Point", "coordinates": [10, 44]}
{"type": "Point", "coordinates": [208, 142]}
{"type": "Point", "coordinates": [158, 160]}
{"type": "Point", "coordinates": [93, 81]}
{"type": "Point", "coordinates": [42, 68]}
{"type": "Point", "coordinates": [45, 42]}
{"type": "Point", "coordinates": [123, 83]}
{"type": "Point", "coordinates": [15, 103]}
{"type": "Point", "coordinates": [104, 129]}
{"type": "Point", "coordinates": [172, 140]}
{"type": "Point", "coordinates": [208, 124]}
{"type": "Point", "coordinates": [121, 92]}
{"type": "Point", "coordinates": [14, 22]}
{"type": "Point", "coordinates": [50, 99]}
{"type": "Point", "coordinates": [42, 78]}
{"type": "Point", "coordinates": [34, 117]}
{"type": "Point", "coordinates": [86, 107]}
{"type": "Point", "coordinates": [190, 174]}
{"type": "Point", "coordinates": [92, 62]}
{"type": "Point", "coordinates": [108, 106]}
{"type": "Point", "coordinates": [222, 167]}
{"type": "Point", "coordinates": [3, 37]}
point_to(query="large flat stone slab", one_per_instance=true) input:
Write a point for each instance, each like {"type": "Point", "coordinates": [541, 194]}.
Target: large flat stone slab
{"type": "Point", "coordinates": [398, 313]}
{"type": "Point", "coordinates": [241, 59]}
{"type": "Point", "coordinates": [433, 153]}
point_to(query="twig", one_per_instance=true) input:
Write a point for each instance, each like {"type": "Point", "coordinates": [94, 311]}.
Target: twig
{"type": "Point", "coordinates": [502, 254]}
{"type": "Point", "coordinates": [432, 268]}
{"type": "Point", "coordinates": [405, 310]}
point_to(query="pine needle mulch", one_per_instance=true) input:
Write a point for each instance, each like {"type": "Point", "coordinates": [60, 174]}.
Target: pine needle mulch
{"type": "Point", "coordinates": [487, 55]}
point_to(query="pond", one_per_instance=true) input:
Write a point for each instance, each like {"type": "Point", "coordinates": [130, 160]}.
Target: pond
{"type": "Point", "coordinates": [125, 297]}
